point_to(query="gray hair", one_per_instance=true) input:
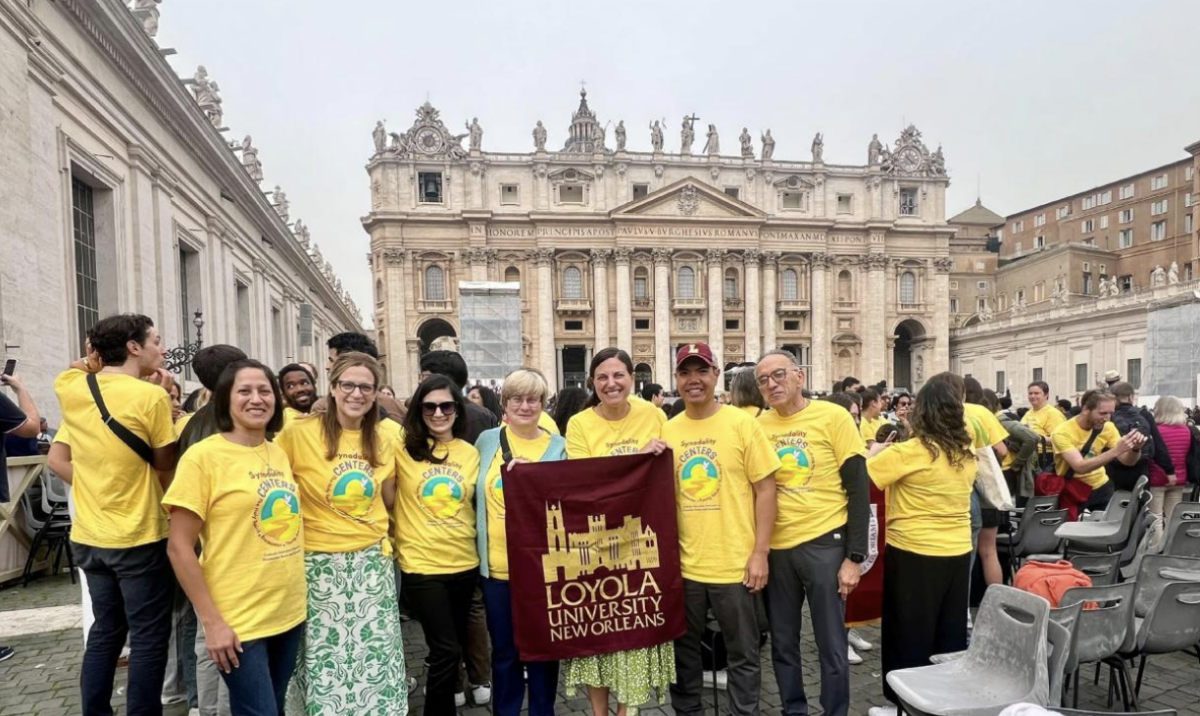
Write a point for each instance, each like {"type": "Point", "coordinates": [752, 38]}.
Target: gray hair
{"type": "Point", "coordinates": [781, 352]}
{"type": "Point", "coordinates": [1169, 411]}
{"type": "Point", "coordinates": [743, 389]}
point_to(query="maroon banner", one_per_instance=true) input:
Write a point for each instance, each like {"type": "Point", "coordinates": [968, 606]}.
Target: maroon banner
{"type": "Point", "coordinates": [593, 556]}
{"type": "Point", "coordinates": [866, 601]}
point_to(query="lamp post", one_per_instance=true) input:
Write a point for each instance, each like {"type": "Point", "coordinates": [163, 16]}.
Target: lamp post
{"type": "Point", "coordinates": [181, 356]}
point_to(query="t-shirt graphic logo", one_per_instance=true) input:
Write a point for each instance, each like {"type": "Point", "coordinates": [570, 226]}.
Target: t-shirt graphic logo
{"type": "Point", "coordinates": [495, 496]}
{"type": "Point", "coordinates": [796, 468]}
{"type": "Point", "coordinates": [699, 479]}
{"type": "Point", "coordinates": [353, 494]}
{"type": "Point", "coordinates": [277, 517]}
{"type": "Point", "coordinates": [441, 496]}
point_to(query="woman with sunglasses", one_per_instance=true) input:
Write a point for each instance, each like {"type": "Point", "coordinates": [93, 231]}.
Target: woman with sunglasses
{"type": "Point", "coordinates": [235, 492]}
{"type": "Point", "coordinates": [901, 407]}
{"type": "Point", "coordinates": [345, 463]}
{"type": "Point", "coordinates": [524, 397]}
{"type": "Point", "coordinates": [612, 424]}
{"type": "Point", "coordinates": [434, 520]}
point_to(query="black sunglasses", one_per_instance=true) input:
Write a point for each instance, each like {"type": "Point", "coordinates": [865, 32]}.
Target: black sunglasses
{"type": "Point", "coordinates": [430, 409]}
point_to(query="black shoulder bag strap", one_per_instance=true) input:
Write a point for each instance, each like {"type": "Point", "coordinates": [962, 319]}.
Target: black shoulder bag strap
{"type": "Point", "coordinates": [134, 442]}
{"type": "Point", "coordinates": [1083, 452]}
{"type": "Point", "coordinates": [505, 449]}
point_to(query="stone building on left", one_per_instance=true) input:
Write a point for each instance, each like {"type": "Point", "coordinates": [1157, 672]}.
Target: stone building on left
{"type": "Point", "coordinates": [122, 190]}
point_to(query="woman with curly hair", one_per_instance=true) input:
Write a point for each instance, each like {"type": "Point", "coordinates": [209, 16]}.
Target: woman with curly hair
{"type": "Point", "coordinates": [926, 567]}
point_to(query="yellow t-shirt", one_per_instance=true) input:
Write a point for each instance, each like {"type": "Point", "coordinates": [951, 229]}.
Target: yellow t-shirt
{"type": "Point", "coordinates": [342, 498]}
{"type": "Point", "coordinates": [717, 462]}
{"type": "Point", "coordinates": [811, 446]}
{"type": "Point", "coordinates": [182, 423]}
{"type": "Point", "coordinates": [290, 414]}
{"type": "Point", "coordinates": [985, 429]}
{"type": "Point", "coordinates": [435, 510]}
{"type": "Point", "coordinates": [253, 533]}
{"type": "Point", "coordinates": [752, 410]}
{"type": "Point", "coordinates": [531, 450]}
{"type": "Point", "coordinates": [118, 497]}
{"type": "Point", "coordinates": [1045, 421]}
{"type": "Point", "coordinates": [1071, 436]}
{"type": "Point", "coordinates": [928, 501]}
{"type": "Point", "coordinates": [545, 422]}
{"type": "Point", "coordinates": [589, 435]}
{"type": "Point", "coordinates": [868, 429]}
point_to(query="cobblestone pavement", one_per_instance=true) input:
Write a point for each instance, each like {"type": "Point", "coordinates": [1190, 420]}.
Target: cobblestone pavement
{"type": "Point", "coordinates": [43, 678]}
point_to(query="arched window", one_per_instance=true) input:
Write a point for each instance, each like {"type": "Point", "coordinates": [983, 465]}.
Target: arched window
{"type": "Point", "coordinates": [572, 283]}
{"type": "Point", "coordinates": [731, 284]}
{"type": "Point", "coordinates": [845, 290]}
{"type": "Point", "coordinates": [435, 284]}
{"type": "Point", "coordinates": [687, 283]}
{"type": "Point", "coordinates": [641, 283]}
{"type": "Point", "coordinates": [512, 274]}
{"type": "Point", "coordinates": [791, 285]}
{"type": "Point", "coordinates": [379, 291]}
{"type": "Point", "coordinates": [908, 287]}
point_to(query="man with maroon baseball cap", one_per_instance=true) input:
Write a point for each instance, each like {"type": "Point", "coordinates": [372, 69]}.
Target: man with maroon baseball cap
{"type": "Point", "coordinates": [724, 469]}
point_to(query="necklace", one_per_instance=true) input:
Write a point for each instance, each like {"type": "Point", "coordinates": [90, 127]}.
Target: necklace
{"type": "Point", "coordinates": [616, 426]}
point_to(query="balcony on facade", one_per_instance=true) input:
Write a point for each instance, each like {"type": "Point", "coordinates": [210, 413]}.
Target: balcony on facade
{"type": "Point", "coordinates": [733, 304]}
{"type": "Point", "coordinates": [689, 305]}
{"type": "Point", "coordinates": [643, 304]}
{"type": "Point", "coordinates": [792, 307]}
{"type": "Point", "coordinates": [574, 306]}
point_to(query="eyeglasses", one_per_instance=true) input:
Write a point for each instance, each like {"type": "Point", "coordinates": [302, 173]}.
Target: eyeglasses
{"type": "Point", "coordinates": [778, 376]}
{"type": "Point", "coordinates": [348, 388]}
{"type": "Point", "coordinates": [517, 401]}
{"type": "Point", "coordinates": [430, 409]}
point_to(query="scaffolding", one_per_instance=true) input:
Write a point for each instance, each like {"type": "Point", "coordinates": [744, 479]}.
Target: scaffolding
{"type": "Point", "coordinates": [489, 315]}
{"type": "Point", "coordinates": [1173, 361]}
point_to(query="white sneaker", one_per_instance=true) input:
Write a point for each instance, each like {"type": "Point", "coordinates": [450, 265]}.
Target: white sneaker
{"type": "Point", "coordinates": [858, 642]}
{"type": "Point", "coordinates": [460, 699]}
{"type": "Point", "coordinates": [481, 694]}
{"type": "Point", "coordinates": [853, 656]}
{"type": "Point", "coordinates": [881, 711]}
{"type": "Point", "coordinates": [722, 679]}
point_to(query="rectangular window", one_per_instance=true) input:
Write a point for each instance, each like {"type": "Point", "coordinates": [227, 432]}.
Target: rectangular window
{"type": "Point", "coordinates": [1158, 231]}
{"type": "Point", "coordinates": [1087, 226]}
{"type": "Point", "coordinates": [1125, 216]}
{"type": "Point", "coordinates": [731, 288]}
{"type": "Point", "coordinates": [1187, 224]}
{"type": "Point", "coordinates": [509, 194]}
{"type": "Point", "coordinates": [1039, 220]}
{"type": "Point", "coordinates": [981, 285]}
{"type": "Point", "coordinates": [1125, 239]}
{"type": "Point", "coordinates": [954, 305]}
{"type": "Point", "coordinates": [791, 325]}
{"type": "Point", "coordinates": [980, 304]}
{"type": "Point", "coordinates": [1001, 381]}
{"type": "Point", "coordinates": [1126, 283]}
{"type": "Point", "coordinates": [277, 335]}
{"type": "Point", "coordinates": [1039, 242]}
{"type": "Point", "coordinates": [1087, 284]}
{"type": "Point", "coordinates": [1062, 212]}
{"type": "Point", "coordinates": [639, 288]}
{"type": "Point", "coordinates": [1187, 199]}
{"type": "Point", "coordinates": [1127, 191]}
{"type": "Point", "coordinates": [1039, 292]}
{"type": "Point", "coordinates": [641, 324]}
{"type": "Point", "coordinates": [1133, 372]}
{"type": "Point", "coordinates": [1104, 222]}
{"type": "Point", "coordinates": [791, 200]}
{"type": "Point", "coordinates": [731, 191]}
{"type": "Point", "coordinates": [572, 325]}
{"type": "Point", "coordinates": [429, 187]}
{"type": "Point", "coordinates": [1158, 182]}
{"type": "Point", "coordinates": [1188, 172]}
{"type": "Point", "coordinates": [731, 324]}
{"type": "Point", "coordinates": [1037, 375]}
{"type": "Point", "coordinates": [640, 191]}
{"type": "Point", "coordinates": [1089, 202]}
{"type": "Point", "coordinates": [1159, 207]}
{"type": "Point", "coordinates": [1105, 198]}
{"type": "Point", "coordinates": [242, 302]}
{"type": "Point", "coordinates": [845, 204]}
{"type": "Point", "coordinates": [1018, 227]}
{"type": "Point", "coordinates": [1081, 377]}
{"type": "Point", "coordinates": [908, 202]}
{"type": "Point", "coordinates": [570, 194]}
{"type": "Point", "coordinates": [87, 288]}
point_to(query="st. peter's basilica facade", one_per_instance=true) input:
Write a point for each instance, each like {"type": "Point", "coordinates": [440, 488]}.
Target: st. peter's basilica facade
{"type": "Point", "coordinates": [846, 265]}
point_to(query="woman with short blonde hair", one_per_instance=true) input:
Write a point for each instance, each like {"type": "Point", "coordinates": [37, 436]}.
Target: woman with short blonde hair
{"type": "Point", "coordinates": [1166, 491]}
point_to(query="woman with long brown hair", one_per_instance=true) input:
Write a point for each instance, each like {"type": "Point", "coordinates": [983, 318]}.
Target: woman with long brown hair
{"type": "Point", "coordinates": [926, 567]}
{"type": "Point", "coordinates": [345, 465]}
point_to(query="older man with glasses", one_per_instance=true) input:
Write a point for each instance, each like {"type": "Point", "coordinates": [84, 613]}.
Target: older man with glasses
{"type": "Point", "coordinates": [821, 530]}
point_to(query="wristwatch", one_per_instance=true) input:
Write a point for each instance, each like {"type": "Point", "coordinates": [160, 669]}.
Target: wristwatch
{"type": "Point", "coordinates": [858, 557]}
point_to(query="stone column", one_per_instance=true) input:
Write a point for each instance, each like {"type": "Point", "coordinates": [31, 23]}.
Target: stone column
{"type": "Point", "coordinates": [753, 339]}
{"type": "Point", "coordinates": [770, 263]}
{"type": "Point", "coordinates": [716, 314]}
{"type": "Point", "coordinates": [547, 360]}
{"type": "Point", "coordinates": [477, 260]}
{"type": "Point", "coordinates": [941, 314]}
{"type": "Point", "coordinates": [394, 282]}
{"type": "Point", "coordinates": [624, 301]}
{"type": "Point", "coordinates": [822, 357]}
{"type": "Point", "coordinates": [664, 367]}
{"type": "Point", "coordinates": [600, 310]}
{"type": "Point", "coordinates": [873, 314]}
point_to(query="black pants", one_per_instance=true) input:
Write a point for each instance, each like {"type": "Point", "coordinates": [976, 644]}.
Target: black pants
{"type": "Point", "coordinates": [133, 592]}
{"type": "Point", "coordinates": [924, 609]}
{"type": "Point", "coordinates": [1100, 497]}
{"type": "Point", "coordinates": [737, 612]}
{"type": "Point", "coordinates": [809, 570]}
{"type": "Point", "coordinates": [441, 603]}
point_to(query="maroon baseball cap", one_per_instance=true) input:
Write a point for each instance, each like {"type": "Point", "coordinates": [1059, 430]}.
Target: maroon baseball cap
{"type": "Point", "coordinates": [695, 350]}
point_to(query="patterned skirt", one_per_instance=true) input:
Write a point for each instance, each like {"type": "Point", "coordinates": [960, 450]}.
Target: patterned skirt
{"type": "Point", "coordinates": [633, 676]}
{"type": "Point", "coordinates": [353, 656]}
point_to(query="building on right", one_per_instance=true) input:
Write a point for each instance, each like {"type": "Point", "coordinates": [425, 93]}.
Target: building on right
{"type": "Point", "coordinates": [1098, 281]}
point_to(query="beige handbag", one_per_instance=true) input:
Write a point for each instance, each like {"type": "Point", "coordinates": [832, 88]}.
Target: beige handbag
{"type": "Point", "coordinates": [990, 482]}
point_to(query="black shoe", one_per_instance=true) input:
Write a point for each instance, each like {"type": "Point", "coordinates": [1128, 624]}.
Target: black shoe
{"type": "Point", "coordinates": [6, 653]}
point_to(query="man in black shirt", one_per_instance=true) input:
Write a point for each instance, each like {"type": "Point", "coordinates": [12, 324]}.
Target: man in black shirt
{"type": "Point", "coordinates": [20, 419]}
{"type": "Point", "coordinates": [452, 365]}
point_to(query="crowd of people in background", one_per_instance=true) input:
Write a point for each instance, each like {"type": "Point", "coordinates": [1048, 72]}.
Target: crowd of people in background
{"type": "Point", "coordinates": [259, 541]}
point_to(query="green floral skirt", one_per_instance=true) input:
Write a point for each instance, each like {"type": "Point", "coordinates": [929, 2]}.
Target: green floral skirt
{"type": "Point", "coordinates": [353, 656]}
{"type": "Point", "coordinates": [632, 676]}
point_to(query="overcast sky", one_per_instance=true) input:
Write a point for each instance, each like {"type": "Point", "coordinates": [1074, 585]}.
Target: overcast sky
{"type": "Point", "coordinates": [1032, 100]}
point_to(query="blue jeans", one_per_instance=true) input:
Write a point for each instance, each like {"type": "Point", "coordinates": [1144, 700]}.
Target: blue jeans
{"type": "Point", "coordinates": [133, 592]}
{"type": "Point", "coordinates": [258, 686]}
{"type": "Point", "coordinates": [508, 681]}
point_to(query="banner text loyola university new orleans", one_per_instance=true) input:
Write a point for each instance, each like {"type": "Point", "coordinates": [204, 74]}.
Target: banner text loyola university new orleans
{"type": "Point", "coordinates": [593, 550]}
